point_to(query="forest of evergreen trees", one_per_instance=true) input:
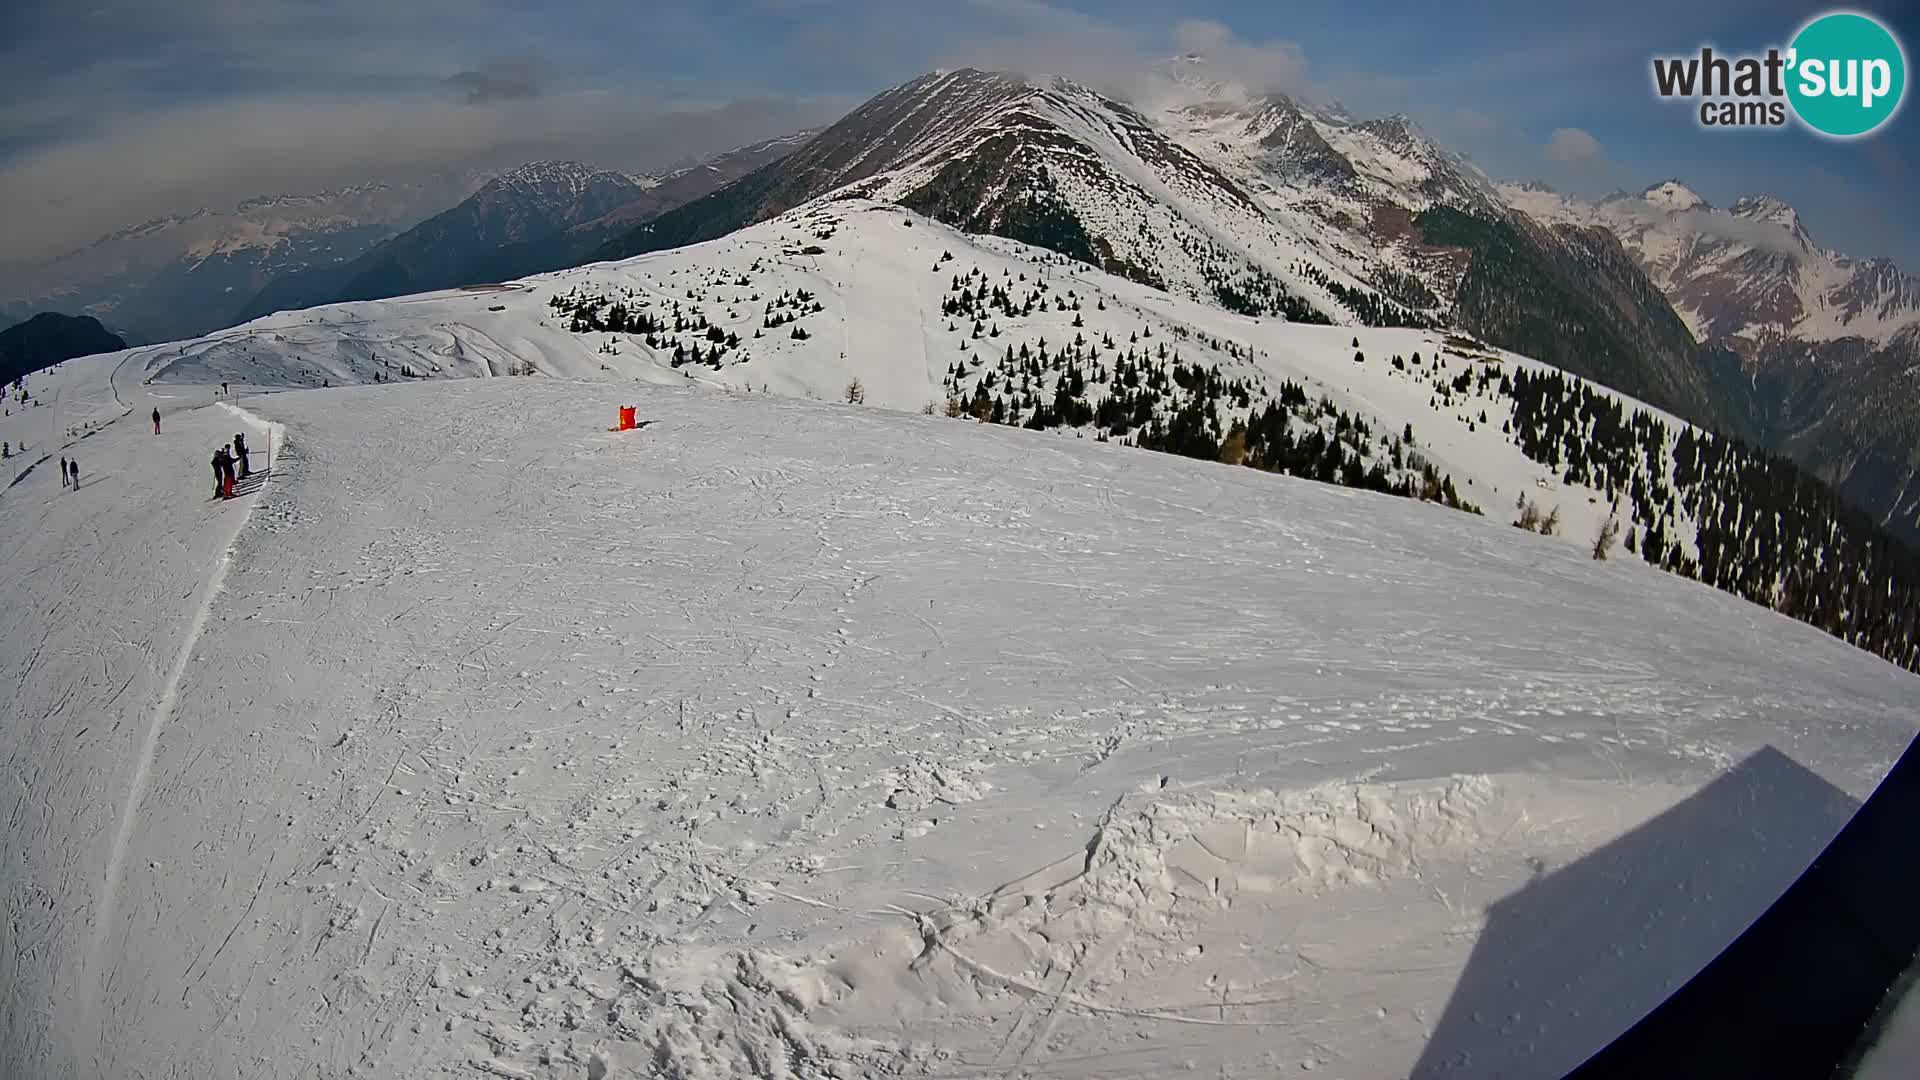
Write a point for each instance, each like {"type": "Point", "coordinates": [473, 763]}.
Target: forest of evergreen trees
{"type": "Point", "coordinates": [1143, 393]}
{"type": "Point", "coordinates": [1762, 527]}
{"type": "Point", "coordinates": [1370, 308]}
{"type": "Point", "coordinates": [682, 331]}
{"type": "Point", "coordinates": [1713, 509]}
{"type": "Point", "coordinates": [1405, 289]}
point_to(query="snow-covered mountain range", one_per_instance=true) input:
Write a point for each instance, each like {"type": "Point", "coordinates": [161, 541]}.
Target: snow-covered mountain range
{"type": "Point", "coordinates": [1251, 202]}
{"type": "Point", "coordinates": [1749, 274]}
{"type": "Point", "coordinates": [1201, 196]}
{"type": "Point", "coordinates": [1265, 205]}
{"type": "Point", "coordinates": [182, 275]}
{"type": "Point", "coordinates": [539, 217]}
{"type": "Point", "coordinates": [1830, 345]}
{"type": "Point", "coordinates": [453, 247]}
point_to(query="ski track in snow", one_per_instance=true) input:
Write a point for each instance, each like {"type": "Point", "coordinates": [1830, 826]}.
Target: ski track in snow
{"type": "Point", "coordinates": [136, 786]}
{"type": "Point", "coordinates": [798, 740]}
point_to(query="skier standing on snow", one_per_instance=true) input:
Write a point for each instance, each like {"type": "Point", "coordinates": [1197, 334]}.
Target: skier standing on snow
{"type": "Point", "coordinates": [240, 452]}
{"type": "Point", "coordinates": [156, 421]}
{"type": "Point", "coordinates": [219, 471]}
{"type": "Point", "coordinates": [63, 472]}
{"type": "Point", "coordinates": [74, 467]}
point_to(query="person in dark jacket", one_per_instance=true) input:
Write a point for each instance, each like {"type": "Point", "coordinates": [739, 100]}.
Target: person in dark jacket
{"type": "Point", "coordinates": [219, 471]}
{"type": "Point", "coordinates": [63, 472]}
{"type": "Point", "coordinates": [74, 468]}
{"type": "Point", "coordinates": [156, 421]}
{"type": "Point", "coordinates": [240, 454]}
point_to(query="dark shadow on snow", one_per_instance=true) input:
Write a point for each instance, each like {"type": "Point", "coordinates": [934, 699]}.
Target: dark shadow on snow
{"type": "Point", "coordinates": [1797, 992]}
{"type": "Point", "coordinates": [21, 476]}
{"type": "Point", "coordinates": [1580, 953]}
{"type": "Point", "coordinates": [253, 482]}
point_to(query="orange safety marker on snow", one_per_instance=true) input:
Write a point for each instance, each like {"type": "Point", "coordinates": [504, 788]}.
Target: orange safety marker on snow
{"type": "Point", "coordinates": [626, 418]}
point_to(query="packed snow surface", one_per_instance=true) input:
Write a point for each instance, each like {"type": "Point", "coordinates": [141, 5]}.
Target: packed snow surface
{"type": "Point", "coordinates": [785, 738]}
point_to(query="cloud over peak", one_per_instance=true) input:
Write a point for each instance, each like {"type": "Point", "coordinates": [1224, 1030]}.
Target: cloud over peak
{"type": "Point", "coordinates": [1572, 146]}
{"type": "Point", "coordinates": [507, 78]}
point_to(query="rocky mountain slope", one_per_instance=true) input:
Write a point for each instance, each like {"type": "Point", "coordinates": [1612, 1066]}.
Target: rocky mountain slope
{"type": "Point", "coordinates": [1255, 203]}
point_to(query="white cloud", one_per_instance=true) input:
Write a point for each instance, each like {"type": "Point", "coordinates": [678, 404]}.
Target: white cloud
{"type": "Point", "coordinates": [1761, 235]}
{"type": "Point", "coordinates": [503, 79]}
{"type": "Point", "coordinates": [1035, 38]}
{"type": "Point", "coordinates": [1572, 146]}
{"type": "Point", "coordinates": [1262, 67]}
{"type": "Point", "coordinates": [1038, 39]}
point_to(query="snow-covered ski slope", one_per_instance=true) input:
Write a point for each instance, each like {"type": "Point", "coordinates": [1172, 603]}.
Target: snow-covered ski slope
{"type": "Point", "coordinates": [792, 738]}
{"type": "Point", "coordinates": [881, 277]}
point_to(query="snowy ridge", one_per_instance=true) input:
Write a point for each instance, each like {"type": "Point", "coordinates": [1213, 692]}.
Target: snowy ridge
{"type": "Point", "coordinates": [557, 179]}
{"type": "Point", "coordinates": [266, 201]}
{"type": "Point", "coordinates": [1191, 191]}
{"type": "Point", "coordinates": [881, 276]}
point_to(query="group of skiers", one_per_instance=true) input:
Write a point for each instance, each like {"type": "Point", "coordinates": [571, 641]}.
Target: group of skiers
{"type": "Point", "coordinates": [230, 465]}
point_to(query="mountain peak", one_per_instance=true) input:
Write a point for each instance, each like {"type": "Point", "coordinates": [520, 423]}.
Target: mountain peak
{"type": "Point", "coordinates": [1765, 208]}
{"type": "Point", "coordinates": [1674, 195]}
{"type": "Point", "coordinates": [546, 172]}
{"type": "Point", "coordinates": [1397, 130]}
{"type": "Point", "coordinates": [1773, 211]}
{"type": "Point", "coordinates": [562, 181]}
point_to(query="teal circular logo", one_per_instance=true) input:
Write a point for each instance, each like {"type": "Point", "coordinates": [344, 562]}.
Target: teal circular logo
{"type": "Point", "coordinates": [1847, 75]}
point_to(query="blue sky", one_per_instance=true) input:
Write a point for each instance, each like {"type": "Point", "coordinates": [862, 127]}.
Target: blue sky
{"type": "Point", "coordinates": [118, 109]}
